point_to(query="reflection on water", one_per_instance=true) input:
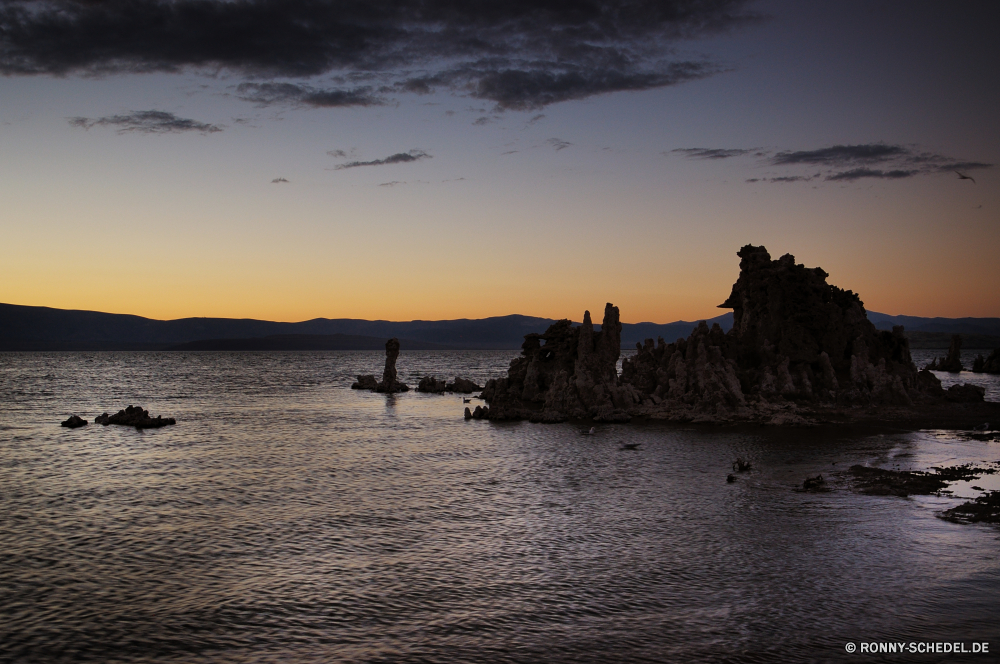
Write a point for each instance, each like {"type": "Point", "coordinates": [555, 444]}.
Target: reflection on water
{"type": "Point", "coordinates": [289, 518]}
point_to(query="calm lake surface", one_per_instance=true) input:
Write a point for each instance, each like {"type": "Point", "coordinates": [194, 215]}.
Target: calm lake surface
{"type": "Point", "coordinates": [288, 518]}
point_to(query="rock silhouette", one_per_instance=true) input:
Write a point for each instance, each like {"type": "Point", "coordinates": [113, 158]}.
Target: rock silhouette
{"type": "Point", "coordinates": [74, 421]}
{"type": "Point", "coordinates": [389, 383]}
{"type": "Point", "coordinates": [990, 365]}
{"type": "Point", "coordinates": [134, 416]}
{"type": "Point", "coordinates": [460, 385]}
{"type": "Point", "coordinates": [952, 363]}
{"type": "Point", "coordinates": [798, 346]}
{"type": "Point", "coordinates": [565, 372]}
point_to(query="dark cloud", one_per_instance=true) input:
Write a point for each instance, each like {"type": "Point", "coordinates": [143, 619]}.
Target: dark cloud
{"type": "Point", "coordinates": [839, 155]}
{"type": "Point", "coordinates": [712, 153]}
{"type": "Point", "coordinates": [266, 94]}
{"type": "Point", "coordinates": [398, 158]}
{"type": "Point", "coordinates": [558, 144]}
{"type": "Point", "coordinates": [484, 120]}
{"type": "Point", "coordinates": [845, 163]}
{"type": "Point", "coordinates": [537, 118]}
{"type": "Point", "coordinates": [146, 122]}
{"type": "Point", "coordinates": [278, 180]}
{"type": "Point", "coordinates": [860, 173]}
{"type": "Point", "coordinates": [520, 54]}
{"type": "Point", "coordinates": [391, 184]}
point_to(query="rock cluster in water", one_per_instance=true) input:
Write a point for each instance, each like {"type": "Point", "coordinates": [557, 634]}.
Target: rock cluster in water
{"type": "Point", "coordinates": [433, 385]}
{"type": "Point", "coordinates": [952, 363]}
{"type": "Point", "coordinates": [134, 416]}
{"type": "Point", "coordinates": [990, 364]}
{"type": "Point", "coordinates": [565, 372]}
{"type": "Point", "coordinates": [389, 383]}
{"type": "Point", "coordinates": [797, 344]}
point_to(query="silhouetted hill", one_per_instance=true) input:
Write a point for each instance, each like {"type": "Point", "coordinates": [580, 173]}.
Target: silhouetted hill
{"type": "Point", "coordinates": [42, 328]}
{"type": "Point", "coordinates": [304, 342]}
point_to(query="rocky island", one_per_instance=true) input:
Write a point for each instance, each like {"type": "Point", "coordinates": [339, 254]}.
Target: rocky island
{"type": "Point", "coordinates": [801, 351]}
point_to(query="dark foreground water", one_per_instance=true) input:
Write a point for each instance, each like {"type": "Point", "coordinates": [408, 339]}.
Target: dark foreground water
{"type": "Point", "coordinates": [287, 518]}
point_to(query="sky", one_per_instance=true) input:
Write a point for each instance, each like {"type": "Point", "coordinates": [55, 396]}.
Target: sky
{"type": "Point", "coordinates": [429, 160]}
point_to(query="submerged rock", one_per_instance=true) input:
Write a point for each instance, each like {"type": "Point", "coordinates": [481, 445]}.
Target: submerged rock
{"type": "Point", "coordinates": [984, 509]}
{"type": "Point", "coordinates": [989, 365]}
{"type": "Point", "coordinates": [952, 363]}
{"type": "Point", "coordinates": [134, 416]}
{"type": "Point", "coordinates": [74, 421]}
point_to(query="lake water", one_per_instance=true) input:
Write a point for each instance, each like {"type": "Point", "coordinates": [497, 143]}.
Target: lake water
{"type": "Point", "coordinates": [288, 518]}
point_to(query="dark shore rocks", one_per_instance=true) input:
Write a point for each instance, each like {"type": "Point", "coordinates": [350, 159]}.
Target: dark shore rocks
{"type": "Point", "coordinates": [952, 363]}
{"type": "Point", "coordinates": [990, 365]}
{"type": "Point", "coordinates": [965, 393]}
{"type": "Point", "coordinates": [74, 421]}
{"type": "Point", "coordinates": [801, 351]}
{"type": "Point", "coordinates": [984, 509]}
{"type": "Point", "coordinates": [389, 384]}
{"type": "Point", "coordinates": [460, 385]}
{"type": "Point", "coordinates": [902, 483]}
{"type": "Point", "coordinates": [134, 416]}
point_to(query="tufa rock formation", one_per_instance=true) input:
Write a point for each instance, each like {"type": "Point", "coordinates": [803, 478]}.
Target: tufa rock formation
{"type": "Point", "coordinates": [565, 372]}
{"type": "Point", "coordinates": [952, 363]}
{"type": "Point", "coordinates": [389, 383]}
{"type": "Point", "coordinates": [795, 340]}
{"type": "Point", "coordinates": [134, 416]}
{"type": "Point", "coordinates": [799, 346]}
{"type": "Point", "coordinates": [990, 365]}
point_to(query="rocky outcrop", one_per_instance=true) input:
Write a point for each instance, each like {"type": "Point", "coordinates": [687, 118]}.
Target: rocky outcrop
{"type": "Point", "coordinates": [952, 363]}
{"type": "Point", "coordinates": [433, 385]}
{"type": "Point", "coordinates": [965, 393]}
{"type": "Point", "coordinates": [795, 339]}
{"type": "Point", "coordinates": [74, 421]}
{"type": "Point", "coordinates": [366, 382]}
{"type": "Point", "coordinates": [990, 365]}
{"type": "Point", "coordinates": [564, 372]}
{"type": "Point", "coordinates": [480, 413]}
{"type": "Point", "coordinates": [799, 349]}
{"type": "Point", "coordinates": [134, 416]}
{"type": "Point", "coordinates": [463, 386]}
{"type": "Point", "coordinates": [389, 384]}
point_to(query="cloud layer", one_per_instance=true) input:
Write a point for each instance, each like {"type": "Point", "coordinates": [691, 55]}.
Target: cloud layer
{"type": "Point", "coordinates": [146, 122]}
{"type": "Point", "coordinates": [398, 158]}
{"type": "Point", "coordinates": [520, 54]}
{"type": "Point", "coordinates": [843, 163]}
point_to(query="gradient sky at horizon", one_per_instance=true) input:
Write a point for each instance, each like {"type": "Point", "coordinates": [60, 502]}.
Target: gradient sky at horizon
{"type": "Point", "coordinates": [828, 131]}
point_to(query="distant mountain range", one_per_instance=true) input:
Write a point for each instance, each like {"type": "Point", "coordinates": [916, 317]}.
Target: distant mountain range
{"type": "Point", "coordinates": [42, 328]}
